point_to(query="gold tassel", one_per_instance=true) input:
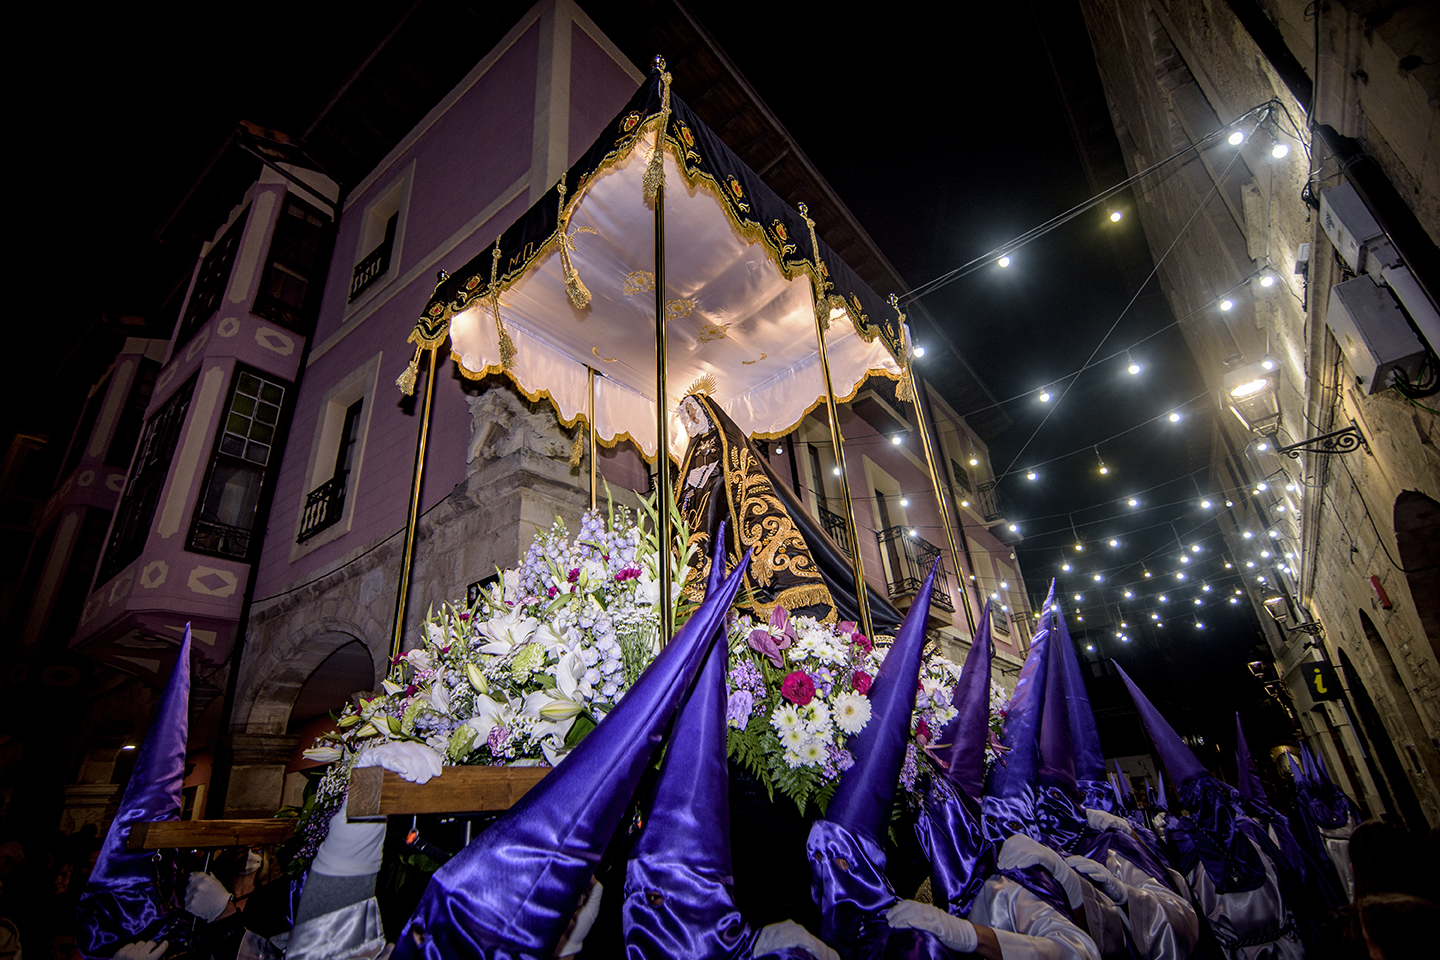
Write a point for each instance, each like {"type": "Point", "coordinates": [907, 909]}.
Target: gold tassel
{"type": "Point", "coordinates": [579, 294]}
{"type": "Point", "coordinates": [654, 179]}
{"type": "Point", "coordinates": [577, 448]}
{"type": "Point", "coordinates": [905, 389]}
{"type": "Point", "coordinates": [406, 380]}
{"type": "Point", "coordinates": [507, 346]}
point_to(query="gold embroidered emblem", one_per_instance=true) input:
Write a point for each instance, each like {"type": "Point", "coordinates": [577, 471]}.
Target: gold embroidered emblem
{"type": "Point", "coordinates": [676, 309]}
{"type": "Point", "coordinates": [638, 281]}
{"type": "Point", "coordinates": [713, 331]}
{"type": "Point", "coordinates": [630, 122]}
{"type": "Point", "coordinates": [596, 351]}
{"type": "Point", "coordinates": [749, 363]}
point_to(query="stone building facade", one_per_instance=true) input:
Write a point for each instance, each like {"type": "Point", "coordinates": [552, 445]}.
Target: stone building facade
{"type": "Point", "coordinates": [1302, 191]}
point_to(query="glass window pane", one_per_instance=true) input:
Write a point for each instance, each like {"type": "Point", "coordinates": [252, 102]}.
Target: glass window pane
{"type": "Point", "coordinates": [231, 444]}
{"type": "Point", "coordinates": [243, 404]}
{"type": "Point", "coordinates": [257, 452]}
{"type": "Point", "coordinates": [232, 495]}
{"type": "Point", "coordinates": [261, 432]}
{"type": "Point", "coordinates": [271, 393]}
{"type": "Point", "coordinates": [238, 424]}
{"type": "Point", "coordinates": [249, 384]}
{"type": "Point", "coordinates": [267, 413]}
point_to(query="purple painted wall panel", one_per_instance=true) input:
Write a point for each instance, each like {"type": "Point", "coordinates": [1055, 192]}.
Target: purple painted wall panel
{"type": "Point", "coordinates": [599, 87]}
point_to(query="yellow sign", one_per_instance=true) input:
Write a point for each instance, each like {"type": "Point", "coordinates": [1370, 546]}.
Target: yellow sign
{"type": "Point", "coordinates": [1320, 679]}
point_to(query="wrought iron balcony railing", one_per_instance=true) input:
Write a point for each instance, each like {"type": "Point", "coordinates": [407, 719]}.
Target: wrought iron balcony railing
{"type": "Point", "coordinates": [323, 507]}
{"type": "Point", "coordinates": [908, 559]}
{"type": "Point", "coordinates": [222, 539]}
{"type": "Point", "coordinates": [989, 502]}
{"type": "Point", "coordinates": [837, 528]}
{"type": "Point", "coordinates": [374, 265]}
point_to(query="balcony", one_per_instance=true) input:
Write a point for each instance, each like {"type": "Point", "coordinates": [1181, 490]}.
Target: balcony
{"type": "Point", "coordinates": [836, 527]}
{"type": "Point", "coordinates": [375, 263]}
{"type": "Point", "coordinates": [907, 560]}
{"type": "Point", "coordinates": [323, 507]}
{"type": "Point", "coordinates": [220, 539]}
{"type": "Point", "coordinates": [989, 502]}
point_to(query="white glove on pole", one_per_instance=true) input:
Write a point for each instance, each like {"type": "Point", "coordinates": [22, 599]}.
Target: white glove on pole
{"type": "Point", "coordinates": [1101, 821]}
{"type": "Point", "coordinates": [143, 950]}
{"type": "Point", "coordinates": [1020, 851]}
{"type": "Point", "coordinates": [351, 849]}
{"type": "Point", "coordinates": [957, 934]}
{"type": "Point", "coordinates": [583, 920]}
{"type": "Point", "coordinates": [1101, 877]}
{"type": "Point", "coordinates": [788, 933]}
{"type": "Point", "coordinates": [414, 761]}
{"type": "Point", "coordinates": [205, 896]}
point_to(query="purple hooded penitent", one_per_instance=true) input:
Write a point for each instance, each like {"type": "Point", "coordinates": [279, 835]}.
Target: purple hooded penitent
{"type": "Point", "coordinates": [1091, 778]}
{"type": "Point", "coordinates": [962, 743]}
{"type": "Point", "coordinates": [1060, 813]}
{"type": "Point", "coordinates": [122, 902]}
{"type": "Point", "coordinates": [948, 828]}
{"type": "Point", "coordinates": [1177, 758]}
{"type": "Point", "coordinates": [679, 887]}
{"type": "Point", "coordinates": [1009, 798]}
{"type": "Point", "coordinates": [846, 848]}
{"type": "Point", "coordinates": [511, 893]}
{"type": "Point", "coordinates": [1247, 777]}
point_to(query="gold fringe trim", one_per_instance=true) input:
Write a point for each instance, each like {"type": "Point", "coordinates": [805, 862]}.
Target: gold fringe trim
{"type": "Point", "coordinates": [507, 346]}
{"type": "Point", "coordinates": [577, 448]}
{"type": "Point", "coordinates": [579, 293]}
{"type": "Point", "coordinates": [406, 380]}
{"type": "Point", "coordinates": [654, 180]}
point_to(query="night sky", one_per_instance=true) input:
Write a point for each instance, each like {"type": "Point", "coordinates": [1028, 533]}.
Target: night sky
{"type": "Point", "coordinates": [945, 138]}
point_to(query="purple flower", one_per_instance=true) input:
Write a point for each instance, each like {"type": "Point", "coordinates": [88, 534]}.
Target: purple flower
{"type": "Point", "coordinates": [497, 738]}
{"type": "Point", "coordinates": [738, 707]}
{"type": "Point", "coordinates": [781, 627]}
{"type": "Point", "coordinates": [841, 757]}
{"type": "Point", "coordinates": [769, 646]}
{"type": "Point", "coordinates": [910, 770]}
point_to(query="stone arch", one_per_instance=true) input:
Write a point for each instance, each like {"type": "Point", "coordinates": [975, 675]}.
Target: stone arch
{"type": "Point", "coordinates": [1417, 534]}
{"type": "Point", "coordinates": [267, 698]}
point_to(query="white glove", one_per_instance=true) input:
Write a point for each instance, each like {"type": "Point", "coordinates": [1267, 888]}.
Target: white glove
{"type": "Point", "coordinates": [584, 919]}
{"type": "Point", "coordinates": [1020, 852]}
{"type": "Point", "coordinates": [788, 933]}
{"type": "Point", "coordinates": [143, 950]}
{"type": "Point", "coordinates": [414, 761]}
{"type": "Point", "coordinates": [957, 934]}
{"type": "Point", "coordinates": [1101, 877]}
{"type": "Point", "coordinates": [205, 896]}
{"type": "Point", "coordinates": [352, 849]}
{"type": "Point", "coordinates": [1101, 821]}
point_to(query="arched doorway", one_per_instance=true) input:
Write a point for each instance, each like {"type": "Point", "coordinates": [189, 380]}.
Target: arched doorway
{"type": "Point", "coordinates": [1394, 787]}
{"type": "Point", "coordinates": [1417, 534]}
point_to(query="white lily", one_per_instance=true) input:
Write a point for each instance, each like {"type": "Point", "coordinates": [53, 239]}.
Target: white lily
{"type": "Point", "coordinates": [439, 696]}
{"type": "Point", "coordinates": [323, 754]}
{"type": "Point", "coordinates": [506, 633]}
{"type": "Point", "coordinates": [419, 658]}
{"type": "Point", "coordinates": [570, 676]}
{"type": "Point", "coordinates": [553, 643]}
{"type": "Point", "coordinates": [491, 713]}
{"type": "Point", "coordinates": [391, 688]}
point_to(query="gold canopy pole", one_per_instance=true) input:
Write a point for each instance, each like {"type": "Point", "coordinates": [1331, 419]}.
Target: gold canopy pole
{"type": "Point", "coordinates": [407, 556]}
{"type": "Point", "coordinates": [862, 597]}
{"type": "Point", "coordinates": [590, 383]}
{"type": "Point", "coordinates": [655, 189]}
{"type": "Point", "coordinates": [933, 464]}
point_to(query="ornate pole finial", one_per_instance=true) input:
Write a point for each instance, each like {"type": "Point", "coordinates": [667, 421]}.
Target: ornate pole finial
{"type": "Point", "coordinates": [659, 63]}
{"type": "Point", "coordinates": [822, 305]}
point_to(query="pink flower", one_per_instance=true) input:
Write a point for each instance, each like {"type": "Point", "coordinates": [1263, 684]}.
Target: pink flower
{"type": "Point", "coordinates": [863, 642]}
{"type": "Point", "coordinates": [552, 590]}
{"type": "Point", "coordinates": [798, 688]}
{"type": "Point", "coordinates": [780, 626]}
{"type": "Point", "coordinates": [922, 732]}
{"type": "Point", "coordinates": [763, 643]}
{"type": "Point", "coordinates": [574, 575]}
{"type": "Point", "coordinates": [860, 680]}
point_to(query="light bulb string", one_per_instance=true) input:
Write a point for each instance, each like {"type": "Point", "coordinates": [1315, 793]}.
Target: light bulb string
{"type": "Point", "coordinates": [1155, 269]}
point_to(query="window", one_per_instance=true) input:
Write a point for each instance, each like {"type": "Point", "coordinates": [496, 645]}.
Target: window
{"type": "Point", "coordinates": [147, 478]}
{"type": "Point", "coordinates": [248, 436]}
{"type": "Point", "coordinates": [86, 427]}
{"type": "Point", "coordinates": [127, 431]}
{"type": "Point", "coordinates": [962, 476]}
{"type": "Point", "coordinates": [211, 281]}
{"type": "Point", "coordinates": [325, 505]}
{"type": "Point", "coordinates": [382, 233]}
{"type": "Point", "coordinates": [294, 273]}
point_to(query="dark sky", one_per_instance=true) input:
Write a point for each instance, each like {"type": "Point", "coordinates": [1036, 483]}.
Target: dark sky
{"type": "Point", "coordinates": [945, 135]}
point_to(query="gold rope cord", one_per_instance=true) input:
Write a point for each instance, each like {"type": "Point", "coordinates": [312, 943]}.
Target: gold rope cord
{"type": "Point", "coordinates": [507, 346]}
{"type": "Point", "coordinates": [579, 293]}
{"type": "Point", "coordinates": [655, 171]}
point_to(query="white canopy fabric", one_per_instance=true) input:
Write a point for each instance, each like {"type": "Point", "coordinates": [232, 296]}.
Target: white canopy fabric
{"type": "Point", "coordinates": [736, 323]}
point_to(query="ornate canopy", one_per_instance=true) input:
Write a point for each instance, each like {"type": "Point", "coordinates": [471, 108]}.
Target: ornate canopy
{"type": "Point", "coordinates": [569, 288]}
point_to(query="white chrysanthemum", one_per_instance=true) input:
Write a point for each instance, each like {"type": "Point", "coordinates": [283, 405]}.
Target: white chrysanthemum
{"type": "Point", "coordinates": [792, 738]}
{"type": "Point", "coordinates": [812, 753]}
{"type": "Point", "coordinates": [792, 759]}
{"type": "Point", "coordinates": [785, 717]}
{"type": "Point", "coordinates": [852, 712]}
{"type": "Point", "coordinates": [943, 716]}
{"type": "Point", "coordinates": [817, 717]}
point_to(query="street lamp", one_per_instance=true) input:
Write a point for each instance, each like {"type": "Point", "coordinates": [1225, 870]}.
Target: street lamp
{"type": "Point", "coordinates": [1252, 393]}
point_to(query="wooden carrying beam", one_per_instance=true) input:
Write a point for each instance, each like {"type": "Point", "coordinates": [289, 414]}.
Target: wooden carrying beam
{"type": "Point", "coordinates": [208, 833]}
{"type": "Point", "coordinates": [375, 792]}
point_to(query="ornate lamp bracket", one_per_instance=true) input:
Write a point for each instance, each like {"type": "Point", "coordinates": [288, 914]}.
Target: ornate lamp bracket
{"type": "Point", "coordinates": [1346, 440]}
